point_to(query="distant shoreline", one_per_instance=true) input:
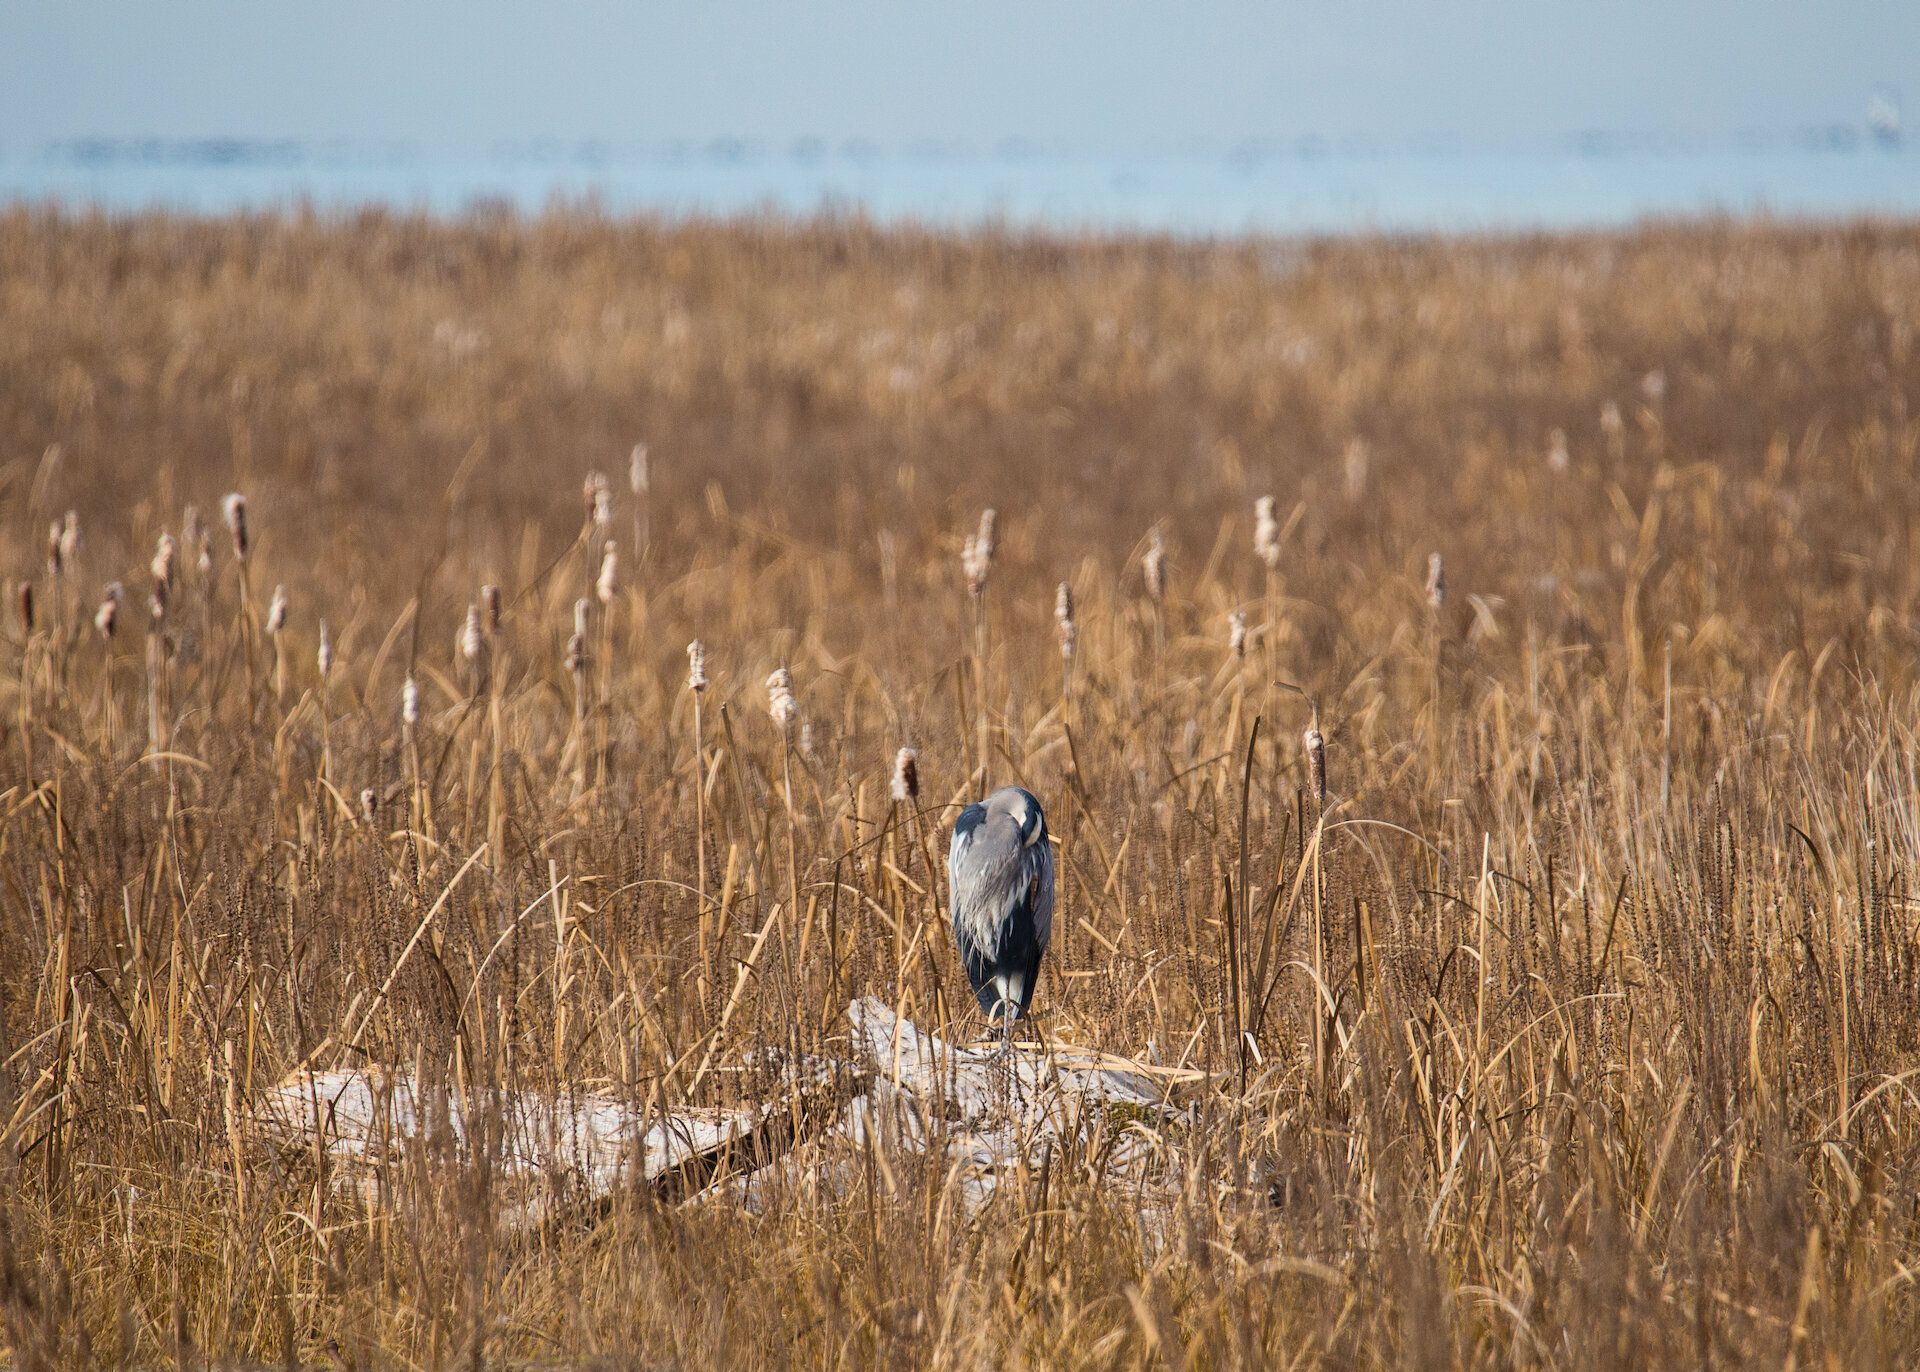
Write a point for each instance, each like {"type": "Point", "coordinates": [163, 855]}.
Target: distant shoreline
{"type": "Point", "coordinates": [1282, 189]}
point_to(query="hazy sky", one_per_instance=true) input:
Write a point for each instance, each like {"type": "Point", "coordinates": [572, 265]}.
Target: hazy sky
{"type": "Point", "coordinates": [1106, 75]}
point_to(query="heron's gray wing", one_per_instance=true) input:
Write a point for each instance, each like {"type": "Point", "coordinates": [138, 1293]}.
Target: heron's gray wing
{"type": "Point", "coordinates": [985, 872]}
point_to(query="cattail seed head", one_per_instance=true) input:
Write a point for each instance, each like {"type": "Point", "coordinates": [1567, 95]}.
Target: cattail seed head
{"type": "Point", "coordinates": [1316, 747]}
{"type": "Point", "coordinates": [1266, 533]}
{"type": "Point", "coordinates": [780, 702]}
{"type": "Point", "coordinates": [234, 511]}
{"type": "Point", "coordinates": [1153, 565]}
{"type": "Point", "coordinates": [639, 476]}
{"type": "Point", "coordinates": [906, 776]}
{"type": "Point", "coordinates": [472, 635]}
{"type": "Point", "coordinates": [577, 654]}
{"type": "Point", "coordinates": [1237, 633]}
{"type": "Point", "coordinates": [26, 608]}
{"type": "Point", "coordinates": [1612, 424]}
{"type": "Point", "coordinates": [369, 805]}
{"type": "Point", "coordinates": [1558, 459]}
{"type": "Point", "coordinates": [109, 611]}
{"type": "Point", "coordinates": [490, 604]}
{"type": "Point", "coordinates": [163, 562]}
{"type": "Point", "coordinates": [599, 496]}
{"type": "Point", "coordinates": [277, 611]}
{"type": "Point", "coordinates": [157, 604]}
{"type": "Point", "coordinates": [696, 666]}
{"type": "Point", "coordinates": [56, 564]}
{"type": "Point", "coordinates": [1436, 581]}
{"type": "Point", "coordinates": [70, 539]}
{"type": "Point", "coordinates": [326, 650]}
{"type": "Point", "coordinates": [976, 559]}
{"type": "Point", "coordinates": [1063, 626]}
{"type": "Point", "coordinates": [608, 586]}
{"type": "Point", "coordinates": [193, 533]}
{"type": "Point", "coordinates": [410, 703]}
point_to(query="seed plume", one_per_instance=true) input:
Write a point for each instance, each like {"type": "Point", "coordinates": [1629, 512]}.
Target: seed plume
{"type": "Point", "coordinates": [608, 586]}
{"type": "Point", "coordinates": [162, 566]}
{"type": "Point", "coordinates": [1266, 533]}
{"type": "Point", "coordinates": [780, 702]}
{"type": "Point", "coordinates": [1063, 626]}
{"type": "Point", "coordinates": [976, 559]}
{"type": "Point", "coordinates": [906, 775]}
{"type": "Point", "coordinates": [1316, 747]}
{"type": "Point", "coordinates": [234, 511]}
{"type": "Point", "coordinates": [696, 666]}
{"type": "Point", "coordinates": [472, 635]}
{"type": "Point", "coordinates": [109, 611]}
{"type": "Point", "coordinates": [1153, 565]}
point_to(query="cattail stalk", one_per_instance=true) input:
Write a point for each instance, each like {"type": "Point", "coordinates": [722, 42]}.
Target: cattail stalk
{"type": "Point", "coordinates": [410, 727]}
{"type": "Point", "coordinates": [234, 511]}
{"type": "Point", "coordinates": [105, 620]}
{"type": "Point", "coordinates": [606, 590]}
{"type": "Point", "coordinates": [785, 711]}
{"type": "Point", "coordinates": [324, 661]}
{"type": "Point", "coordinates": [976, 560]}
{"type": "Point", "coordinates": [697, 684]}
{"type": "Point", "coordinates": [24, 606]}
{"type": "Point", "coordinates": [640, 483]}
{"type": "Point", "coordinates": [576, 662]}
{"type": "Point", "coordinates": [276, 622]}
{"type": "Point", "coordinates": [1153, 575]}
{"type": "Point", "coordinates": [1268, 541]}
{"type": "Point", "coordinates": [1068, 634]}
{"type": "Point", "coordinates": [491, 623]}
{"type": "Point", "coordinates": [1436, 601]}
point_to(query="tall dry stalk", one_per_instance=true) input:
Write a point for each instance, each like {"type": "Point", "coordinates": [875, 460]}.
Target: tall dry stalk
{"type": "Point", "coordinates": [976, 561]}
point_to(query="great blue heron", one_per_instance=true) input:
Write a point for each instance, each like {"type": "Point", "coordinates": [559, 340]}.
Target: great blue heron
{"type": "Point", "coordinates": [1000, 871]}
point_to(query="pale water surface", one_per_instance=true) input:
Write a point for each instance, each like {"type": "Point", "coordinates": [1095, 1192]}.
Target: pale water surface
{"type": "Point", "coordinates": [1298, 188]}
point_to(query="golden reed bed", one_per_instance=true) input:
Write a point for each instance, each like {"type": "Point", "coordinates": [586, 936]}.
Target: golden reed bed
{"type": "Point", "coordinates": [1573, 1024]}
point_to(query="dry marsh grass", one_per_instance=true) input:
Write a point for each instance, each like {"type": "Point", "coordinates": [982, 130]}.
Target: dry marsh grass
{"type": "Point", "coordinates": [1577, 1027]}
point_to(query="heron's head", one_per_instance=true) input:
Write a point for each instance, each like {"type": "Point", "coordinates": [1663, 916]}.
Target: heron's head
{"type": "Point", "coordinates": [1021, 807]}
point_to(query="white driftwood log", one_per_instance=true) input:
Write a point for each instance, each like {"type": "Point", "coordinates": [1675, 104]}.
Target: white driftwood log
{"type": "Point", "coordinates": [982, 1083]}
{"type": "Point", "coordinates": [999, 1110]}
{"type": "Point", "coordinates": [553, 1152]}
{"type": "Point", "coordinates": [549, 1149]}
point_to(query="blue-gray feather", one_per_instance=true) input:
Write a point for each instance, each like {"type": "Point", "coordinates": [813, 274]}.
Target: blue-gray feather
{"type": "Point", "coordinates": [1000, 873]}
